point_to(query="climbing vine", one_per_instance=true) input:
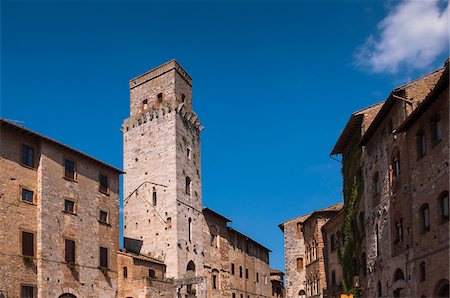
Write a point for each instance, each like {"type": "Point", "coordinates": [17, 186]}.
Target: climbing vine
{"type": "Point", "coordinates": [351, 239]}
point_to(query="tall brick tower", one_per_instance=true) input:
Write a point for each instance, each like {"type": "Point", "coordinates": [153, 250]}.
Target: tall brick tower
{"type": "Point", "coordinates": [162, 184]}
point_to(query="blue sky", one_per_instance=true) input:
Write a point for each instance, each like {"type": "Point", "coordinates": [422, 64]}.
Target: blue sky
{"type": "Point", "coordinates": [273, 83]}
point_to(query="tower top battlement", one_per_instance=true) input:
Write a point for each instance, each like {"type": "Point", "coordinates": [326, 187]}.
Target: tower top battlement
{"type": "Point", "coordinates": [160, 70]}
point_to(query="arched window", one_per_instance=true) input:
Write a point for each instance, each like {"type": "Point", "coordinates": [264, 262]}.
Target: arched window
{"type": "Point", "coordinates": [154, 197]}
{"type": "Point", "coordinates": [436, 129]}
{"type": "Point", "coordinates": [183, 97]}
{"type": "Point", "coordinates": [190, 268]}
{"type": "Point", "coordinates": [425, 216]}
{"type": "Point", "coordinates": [379, 289]}
{"type": "Point", "coordinates": [421, 144]}
{"type": "Point", "coordinates": [188, 186]}
{"type": "Point", "coordinates": [190, 229]}
{"type": "Point", "coordinates": [215, 279]}
{"type": "Point", "coordinates": [376, 184]}
{"type": "Point", "coordinates": [125, 272]}
{"type": "Point", "coordinates": [151, 273]}
{"type": "Point", "coordinates": [443, 204]}
{"type": "Point", "coordinates": [398, 275]}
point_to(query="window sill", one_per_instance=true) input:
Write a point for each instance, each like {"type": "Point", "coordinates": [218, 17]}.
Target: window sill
{"type": "Point", "coordinates": [69, 213]}
{"type": "Point", "coordinates": [106, 193]}
{"type": "Point", "coordinates": [28, 167]}
{"type": "Point", "coordinates": [70, 179]}
{"type": "Point", "coordinates": [104, 223]}
{"type": "Point", "coordinates": [28, 203]}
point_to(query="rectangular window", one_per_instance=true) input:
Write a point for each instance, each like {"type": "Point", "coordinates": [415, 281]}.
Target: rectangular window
{"type": "Point", "coordinates": [69, 252]}
{"type": "Point", "coordinates": [103, 216]}
{"type": "Point", "coordinates": [436, 128]}
{"type": "Point", "coordinates": [246, 273]}
{"type": "Point", "coordinates": [69, 206]}
{"type": "Point", "coordinates": [299, 263]}
{"type": "Point", "coordinates": [240, 271]}
{"type": "Point", "coordinates": [332, 243]}
{"type": "Point", "coordinates": [103, 257]}
{"type": "Point", "coordinates": [27, 292]}
{"type": "Point", "coordinates": [103, 183]}
{"type": "Point", "coordinates": [69, 167]}
{"type": "Point", "coordinates": [426, 219]}
{"type": "Point", "coordinates": [188, 186]}
{"type": "Point", "coordinates": [27, 156]}
{"type": "Point", "coordinates": [27, 195]}
{"type": "Point", "coordinates": [232, 268]}
{"type": "Point", "coordinates": [257, 277]}
{"type": "Point", "coordinates": [27, 244]}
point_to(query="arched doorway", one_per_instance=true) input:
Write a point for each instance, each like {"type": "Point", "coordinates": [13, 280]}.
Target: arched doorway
{"type": "Point", "coordinates": [67, 295]}
{"type": "Point", "coordinates": [442, 289]}
{"type": "Point", "coordinates": [302, 294]}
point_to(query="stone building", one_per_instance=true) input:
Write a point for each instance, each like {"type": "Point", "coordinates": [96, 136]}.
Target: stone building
{"type": "Point", "coordinates": [59, 219]}
{"type": "Point", "coordinates": [163, 199]}
{"type": "Point", "coordinates": [276, 279]}
{"type": "Point", "coordinates": [303, 250]}
{"type": "Point", "coordinates": [294, 256]}
{"type": "Point", "coordinates": [403, 208]}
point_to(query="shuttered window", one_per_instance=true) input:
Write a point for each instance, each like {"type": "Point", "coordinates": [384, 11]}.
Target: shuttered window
{"type": "Point", "coordinates": [69, 251]}
{"type": "Point", "coordinates": [103, 257]}
{"type": "Point", "coordinates": [27, 244]}
{"type": "Point", "coordinates": [69, 167]}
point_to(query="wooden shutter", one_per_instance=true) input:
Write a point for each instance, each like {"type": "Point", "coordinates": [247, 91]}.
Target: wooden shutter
{"type": "Point", "coordinates": [69, 250]}
{"type": "Point", "coordinates": [27, 244]}
{"type": "Point", "coordinates": [103, 257]}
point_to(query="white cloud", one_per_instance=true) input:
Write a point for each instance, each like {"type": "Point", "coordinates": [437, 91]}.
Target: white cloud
{"type": "Point", "coordinates": [412, 35]}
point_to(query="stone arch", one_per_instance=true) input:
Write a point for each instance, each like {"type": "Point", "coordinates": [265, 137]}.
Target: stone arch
{"type": "Point", "coordinates": [67, 295]}
{"type": "Point", "coordinates": [302, 294]}
{"type": "Point", "coordinates": [441, 289]}
{"type": "Point", "coordinates": [398, 275]}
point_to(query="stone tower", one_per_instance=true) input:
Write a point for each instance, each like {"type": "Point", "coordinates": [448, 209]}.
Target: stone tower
{"type": "Point", "coordinates": [162, 184]}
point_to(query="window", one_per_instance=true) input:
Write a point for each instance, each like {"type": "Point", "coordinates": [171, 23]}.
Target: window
{"type": "Point", "coordinates": [436, 129]}
{"type": "Point", "coordinates": [399, 230]}
{"type": "Point", "coordinates": [151, 273]}
{"type": "Point", "coordinates": [232, 268]}
{"type": "Point", "coordinates": [154, 197]}
{"type": "Point", "coordinates": [246, 273]}
{"type": "Point", "coordinates": [103, 257]}
{"type": "Point", "coordinates": [103, 183]}
{"type": "Point", "coordinates": [299, 263]}
{"type": "Point", "coordinates": [363, 264]}
{"type": "Point", "coordinates": [190, 229]}
{"type": "Point", "coordinates": [69, 172]}
{"type": "Point", "coordinates": [376, 184]}
{"type": "Point", "coordinates": [333, 277]}
{"type": "Point", "coordinates": [159, 97]}
{"type": "Point", "coordinates": [125, 272]}
{"type": "Point", "coordinates": [443, 202]}
{"type": "Point", "coordinates": [188, 153]}
{"type": "Point", "coordinates": [257, 277]}
{"type": "Point", "coordinates": [188, 186]}
{"type": "Point", "coordinates": [103, 218]}
{"type": "Point", "coordinates": [183, 97]}
{"type": "Point", "coordinates": [233, 295]}
{"type": "Point", "coordinates": [27, 291]}
{"type": "Point", "coordinates": [423, 273]}
{"type": "Point", "coordinates": [421, 144]}
{"type": "Point", "coordinates": [425, 213]}
{"type": "Point", "coordinates": [69, 252]}
{"type": "Point", "coordinates": [27, 195]}
{"type": "Point", "coordinates": [377, 240]}
{"type": "Point", "coordinates": [27, 156]}
{"type": "Point", "coordinates": [395, 167]}
{"type": "Point", "coordinates": [332, 243]}
{"type": "Point", "coordinates": [398, 275]}
{"type": "Point", "coordinates": [144, 102]}
{"type": "Point", "coordinates": [27, 244]}
{"type": "Point", "coordinates": [69, 206]}
{"type": "Point", "coordinates": [214, 281]}
{"type": "Point", "coordinates": [240, 271]}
